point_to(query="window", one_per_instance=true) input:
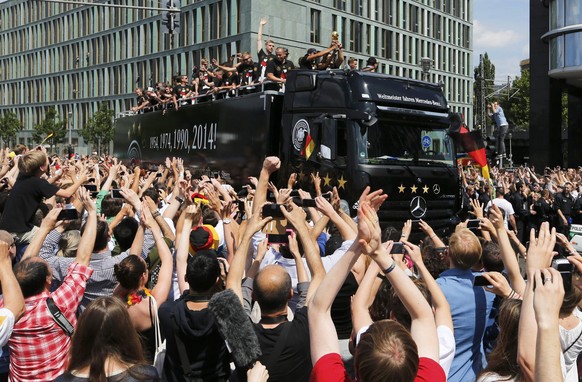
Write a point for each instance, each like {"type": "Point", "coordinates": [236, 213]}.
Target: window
{"type": "Point", "coordinates": [358, 7]}
{"type": "Point", "coordinates": [339, 4]}
{"type": "Point", "coordinates": [315, 32]}
{"type": "Point", "coordinates": [356, 36]}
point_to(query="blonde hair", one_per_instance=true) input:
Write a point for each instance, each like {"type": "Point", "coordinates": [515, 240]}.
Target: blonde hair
{"type": "Point", "coordinates": [30, 163]}
{"type": "Point", "coordinates": [464, 248]}
{"type": "Point", "coordinates": [69, 243]}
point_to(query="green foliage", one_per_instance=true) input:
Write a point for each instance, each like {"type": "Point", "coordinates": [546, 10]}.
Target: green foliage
{"type": "Point", "coordinates": [9, 126]}
{"type": "Point", "coordinates": [518, 106]}
{"type": "Point", "coordinates": [51, 124]}
{"type": "Point", "coordinates": [99, 130]}
{"type": "Point", "coordinates": [488, 78]}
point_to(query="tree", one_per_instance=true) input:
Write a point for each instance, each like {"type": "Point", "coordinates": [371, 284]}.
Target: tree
{"type": "Point", "coordinates": [99, 129]}
{"type": "Point", "coordinates": [51, 124]}
{"type": "Point", "coordinates": [487, 82]}
{"type": "Point", "coordinates": [9, 126]}
{"type": "Point", "coordinates": [518, 105]}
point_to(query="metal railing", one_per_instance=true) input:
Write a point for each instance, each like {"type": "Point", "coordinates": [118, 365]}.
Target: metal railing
{"type": "Point", "coordinates": [209, 96]}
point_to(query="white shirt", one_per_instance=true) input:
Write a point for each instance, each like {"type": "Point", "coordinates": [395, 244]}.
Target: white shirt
{"type": "Point", "coordinates": [505, 206]}
{"type": "Point", "coordinates": [6, 326]}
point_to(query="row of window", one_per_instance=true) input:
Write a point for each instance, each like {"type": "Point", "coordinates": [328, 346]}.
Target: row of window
{"type": "Point", "coordinates": [565, 13]}
{"type": "Point", "coordinates": [378, 9]}
{"type": "Point", "coordinates": [565, 51]}
{"type": "Point", "coordinates": [201, 24]}
{"type": "Point", "coordinates": [426, 24]}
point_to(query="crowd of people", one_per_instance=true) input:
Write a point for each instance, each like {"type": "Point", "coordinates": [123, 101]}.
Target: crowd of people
{"type": "Point", "coordinates": [242, 75]}
{"type": "Point", "coordinates": [116, 273]}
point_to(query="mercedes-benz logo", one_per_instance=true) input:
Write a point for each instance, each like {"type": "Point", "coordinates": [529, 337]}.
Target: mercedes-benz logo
{"type": "Point", "coordinates": [436, 189]}
{"type": "Point", "coordinates": [418, 207]}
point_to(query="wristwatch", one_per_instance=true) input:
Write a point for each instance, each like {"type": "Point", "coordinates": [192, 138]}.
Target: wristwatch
{"type": "Point", "coordinates": [180, 199]}
{"type": "Point", "coordinates": [226, 221]}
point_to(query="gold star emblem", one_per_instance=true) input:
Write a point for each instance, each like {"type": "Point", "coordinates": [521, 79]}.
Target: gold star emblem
{"type": "Point", "coordinates": [326, 180]}
{"type": "Point", "coordinates": [425, 189]}
{"type": "Point", "coordinates": [301, 175]}
{"type": "Point", "coordinates": [341, 182]}
{"type": "Point", "coordinates": [401, 189]}
{"type": "Point", "coordinates": [413, 189]}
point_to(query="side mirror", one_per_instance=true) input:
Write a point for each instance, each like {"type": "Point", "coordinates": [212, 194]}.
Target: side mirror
{"type": "Point", "coordinates": [328, 148]}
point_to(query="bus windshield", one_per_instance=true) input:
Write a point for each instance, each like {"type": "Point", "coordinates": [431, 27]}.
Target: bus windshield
{"type": "Point", "coordinates": [389, 142]}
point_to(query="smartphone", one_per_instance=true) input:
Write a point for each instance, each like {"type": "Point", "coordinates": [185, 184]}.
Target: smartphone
{"type": "Point", "coordinates": [440, 250]}
{"type": "Point", "coordinates": [397, 248]}
{"type": "Point", "coordinates": [274, 238]}
{"type": "Point", "coordinates": [294, 193]}
{"type": "Point", "coordinates": [159, 175]}
{"type": "Point", "coordinates": [416, 225]}
{"type": "Point", "coordinates": [473, 223]}
{"type": "Point", "coordinates": [272, 210]}
{"type": "Point", "coordinates": [90, 187]}
{"type": "Point", "coordinates": [304, 202]}
{"type": "Point", "coordinates": [94, 194]}
{"type": "Point", "coordinates": [116, 193]}
{"type": "Point", "coordinates": [480, 280]}
{"type": "Point", "coordinates": [68, 214]}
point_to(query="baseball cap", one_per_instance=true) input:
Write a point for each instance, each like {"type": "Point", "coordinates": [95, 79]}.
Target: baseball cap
{"type": "Point", "coordinates": [203, 237]}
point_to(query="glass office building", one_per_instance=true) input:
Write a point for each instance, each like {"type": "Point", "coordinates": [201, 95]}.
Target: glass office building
{"type": "Point", "coordinates": [74, 57]}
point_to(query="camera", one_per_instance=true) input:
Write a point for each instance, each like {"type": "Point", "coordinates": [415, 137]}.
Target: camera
{"type": "Point", "coordinates": [562, 265]}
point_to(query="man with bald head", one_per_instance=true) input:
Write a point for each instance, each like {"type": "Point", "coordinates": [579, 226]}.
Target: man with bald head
{"type": "Point", "coordinates": [284, 344]}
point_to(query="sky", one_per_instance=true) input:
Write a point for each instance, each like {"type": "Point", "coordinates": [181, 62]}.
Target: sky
{"type": "Point", "coordinates": [501, 29]}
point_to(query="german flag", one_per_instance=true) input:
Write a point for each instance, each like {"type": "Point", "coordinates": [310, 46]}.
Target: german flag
{"type": "Point", "coordinates": [309, 146]}
{"type": "Point", "coordinates": [472, 143]}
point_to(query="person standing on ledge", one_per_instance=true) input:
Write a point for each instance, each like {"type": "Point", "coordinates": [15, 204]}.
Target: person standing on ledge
{"type": "Point", "coordinates": [495, 111]}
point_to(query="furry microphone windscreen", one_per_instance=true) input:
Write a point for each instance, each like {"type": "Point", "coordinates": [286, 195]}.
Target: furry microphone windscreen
{"type": "Point", "coordinates": [235, 327]}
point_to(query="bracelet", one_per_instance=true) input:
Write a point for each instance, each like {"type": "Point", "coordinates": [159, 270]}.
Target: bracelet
{"type": "Point", "coordinates": [511, 294]}
{"type": "Point", "coordinates": [433, 235]}
{"type": "Point", "coordinates": [381, 276]}
{"type": "Point", "coordinates": [390, 268]}
{"type": "Point", "coordinates": [156, 214]}
{"type": "Point", "coordinates": [402, 235]}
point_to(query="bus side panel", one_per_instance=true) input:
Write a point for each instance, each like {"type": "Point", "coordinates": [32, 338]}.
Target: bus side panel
{"type": "Point", "coordinates": [229, 137]}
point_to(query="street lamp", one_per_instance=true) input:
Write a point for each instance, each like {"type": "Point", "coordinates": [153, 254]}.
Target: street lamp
{"type": "Point", "coordinates": [426, 65]}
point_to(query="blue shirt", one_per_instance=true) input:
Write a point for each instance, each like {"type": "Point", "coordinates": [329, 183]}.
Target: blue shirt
{"type": "Point", "coordinates": [470, 308]}
{"type": "Point", "coordinates": [499, 117]}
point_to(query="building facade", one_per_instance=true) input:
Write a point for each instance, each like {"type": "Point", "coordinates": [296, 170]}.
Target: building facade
{"type": "Point", "coordinates": [555, 69]}
{"type": "Point", "coordinates": [74, 57]}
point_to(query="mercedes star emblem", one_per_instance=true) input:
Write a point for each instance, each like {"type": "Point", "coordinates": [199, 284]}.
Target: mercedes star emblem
{"type": "Point", "coordinates": [436, 189]}
{"type": "Point", "coordinates": [418, 207]}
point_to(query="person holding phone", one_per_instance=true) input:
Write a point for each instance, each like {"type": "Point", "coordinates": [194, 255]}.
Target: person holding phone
{"type": "Point", "coordinates": [28, 193]}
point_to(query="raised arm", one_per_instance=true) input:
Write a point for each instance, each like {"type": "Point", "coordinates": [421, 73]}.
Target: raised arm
{"type": "Point", "coordinates": [548, 298]}
{"type": "Point", "coordinates": [162, 288]}
{"type": "Point", "coordinates": [87, 241]}
{"type": "Point", "coordinates": [344, 228]}
{"type": "Point", "coordinates": [539, 256]}
{"type": "Point", "coordinates": [11, 292]}
{"type": "Point", "coordinates": [507, 253]}
{"type": "Point", "coordinates": [190, 215]}
{"type": "Point", "coordinates": [297, 217]}
{"type": "Point", "coordinates": [260, 33]}
{"type": "Point", "coordinates": [237, 267]}
{"type": "Point", "coordinates": [442, 309]}
{"type": "Point", "coordinates": [270, 165]}
{"type": "Point", "coordinates": [48, 223]}
{"type": "Point", "coordinates": [364, 298]}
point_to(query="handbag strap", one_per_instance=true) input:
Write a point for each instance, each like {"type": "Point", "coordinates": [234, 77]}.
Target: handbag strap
{"type": "Point", "coordinates": [59, 317]}
{"type": "Point", "coordinates": [573, 343]}
{"type": "Point", "coordinates": [156, 319]}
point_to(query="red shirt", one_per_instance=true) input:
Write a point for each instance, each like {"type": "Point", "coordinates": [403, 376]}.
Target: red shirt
{"type": "Point", "coordinates": [330, 368]}
{"type": "Point", "coordinates": [39, 348]}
